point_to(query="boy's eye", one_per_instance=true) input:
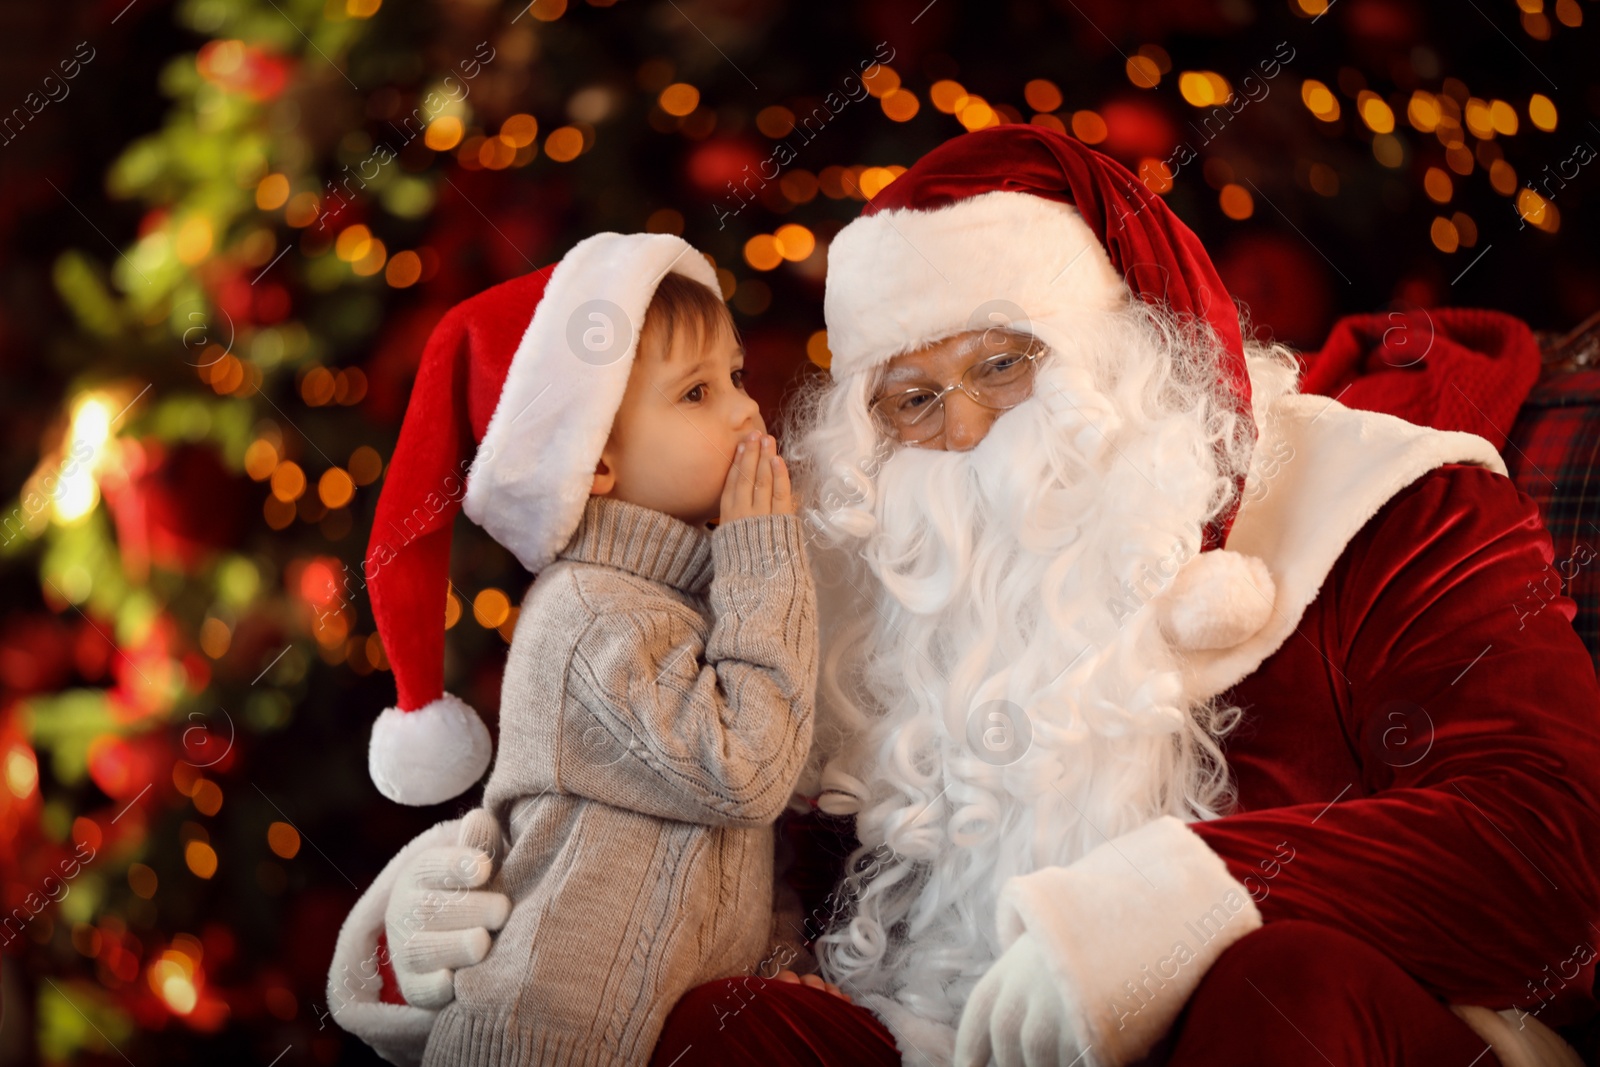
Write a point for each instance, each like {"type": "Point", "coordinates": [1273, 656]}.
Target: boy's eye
{"type": "Point", "coordinates": [693, 394]}
{"type": "Point", "coordinates": [738, 377]}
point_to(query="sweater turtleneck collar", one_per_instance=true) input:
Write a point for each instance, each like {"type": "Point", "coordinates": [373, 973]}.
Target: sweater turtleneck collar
{"type": "Point", "coordinates": [642, 541]}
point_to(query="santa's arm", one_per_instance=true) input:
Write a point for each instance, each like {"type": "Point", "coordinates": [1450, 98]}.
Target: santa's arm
{"type": "Point", "coordinates": [1469, 849]}
{"type": "Point", "coordinates": [362, 995]}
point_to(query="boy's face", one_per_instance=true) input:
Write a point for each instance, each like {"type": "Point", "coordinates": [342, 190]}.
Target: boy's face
{"type": "Point", "coordinates": [681, 418]}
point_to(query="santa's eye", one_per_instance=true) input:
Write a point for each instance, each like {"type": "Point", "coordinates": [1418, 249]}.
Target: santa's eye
{"type": "Point", "coordinates": [910, 402]}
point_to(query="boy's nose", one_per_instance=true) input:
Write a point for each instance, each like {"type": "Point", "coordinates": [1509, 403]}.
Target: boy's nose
{"type": "Point", "coordinates": [749, 418]}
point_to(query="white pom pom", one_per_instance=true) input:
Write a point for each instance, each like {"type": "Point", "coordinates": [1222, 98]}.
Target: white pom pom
{"type": "Point", "coordinates": [428, 755]}
{"type": "Point", "coordinates": [1217, 600]}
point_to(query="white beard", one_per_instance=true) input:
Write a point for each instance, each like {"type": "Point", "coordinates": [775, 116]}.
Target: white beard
{"type": "Point", "coordinates": [1015, 572]}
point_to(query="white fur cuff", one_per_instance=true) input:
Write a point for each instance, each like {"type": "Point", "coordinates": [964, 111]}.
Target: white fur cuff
{"type": "Point", "coordinates": [428, 755]}
{"type": "Point", "coordinates": [1130, 929]}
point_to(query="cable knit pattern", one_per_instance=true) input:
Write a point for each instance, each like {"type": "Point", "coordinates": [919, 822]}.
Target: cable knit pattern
{"type": "Point", "coordinates": [655, 714]}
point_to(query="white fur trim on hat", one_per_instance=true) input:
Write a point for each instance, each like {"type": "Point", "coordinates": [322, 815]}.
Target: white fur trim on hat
{"type": "Point", "coordinates": [899, 280]}
{"type": "Point", "coordinates": [533, 470]}
{"type": "Point", "coordinates": [1217, 599]}
{"type": "Point", "coordinates": [428, 755]}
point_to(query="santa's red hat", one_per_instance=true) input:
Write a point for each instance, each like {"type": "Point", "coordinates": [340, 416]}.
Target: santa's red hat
{"type": "Point", "coordinates": [512, 406]}
{"type": "Point", "coordinates": [1022, 217]}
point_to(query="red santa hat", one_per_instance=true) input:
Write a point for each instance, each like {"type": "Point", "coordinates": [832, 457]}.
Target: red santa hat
{"type": "Point", "coordinates": [1025, 217]}
{"type": "Point", "coordinates": [512, 405]}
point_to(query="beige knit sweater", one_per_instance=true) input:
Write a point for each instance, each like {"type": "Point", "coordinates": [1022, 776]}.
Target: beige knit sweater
{"type": "Point", "coordinates": [655, 714]}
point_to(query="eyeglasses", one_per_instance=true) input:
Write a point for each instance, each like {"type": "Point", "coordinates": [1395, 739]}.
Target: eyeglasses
{"type": "Point", "coordinates": [999, 382]}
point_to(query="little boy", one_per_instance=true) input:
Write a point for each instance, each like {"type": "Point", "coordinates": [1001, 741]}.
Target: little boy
{"type": "Point", "coordinates": [655, 715]}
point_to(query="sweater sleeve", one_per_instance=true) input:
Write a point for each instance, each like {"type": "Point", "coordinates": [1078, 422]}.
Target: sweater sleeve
{"type": "Point", "coordinates": [1468, 849]}
{"type": "Point", "coordinates": [712, 733]}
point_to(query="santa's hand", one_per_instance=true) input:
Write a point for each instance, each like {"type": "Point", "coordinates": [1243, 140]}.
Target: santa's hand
{"type": "Point", "coordinates": [438, 920]}
{"type": "Point", "coordinates": [1015, 1016]}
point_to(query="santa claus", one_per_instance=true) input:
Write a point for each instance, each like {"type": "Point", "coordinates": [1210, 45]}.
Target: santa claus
{"type": "Point", "coordinates": [1184, 718]}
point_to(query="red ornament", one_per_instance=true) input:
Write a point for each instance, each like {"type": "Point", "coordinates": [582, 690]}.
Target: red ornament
{"type": "Point", "coordinates": [1137, 129]}
{"type": "Point", "coordinates": [36, 654]}
{"type": "Point", "coordinates": [1282, 282]}
{"type": "Point", "coordinates": [238, 301]}
{"type": "Point", "coordinates": [1380, 22]}
{"type": "Point", "coordinates": [177, 508]}
{"type": "Point", "coordinates": [123, 766]}
{"type": "Point", "coordinates": [242, 68]}
{"type": "Point", "coordinates": [720, 160]}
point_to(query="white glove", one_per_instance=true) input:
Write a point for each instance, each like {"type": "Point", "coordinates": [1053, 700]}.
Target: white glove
{"type": "Point", "coordinates": [1016, 1015]}
{"type": "Point", "coordinates": [437, 920]}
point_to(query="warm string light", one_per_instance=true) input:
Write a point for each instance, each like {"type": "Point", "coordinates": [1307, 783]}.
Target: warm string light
{"type": "Point", "coordinates": [1426, 112]}
{"type": "Point", "coordinates": [1450, 115]}
{"type": "Point", "coordinates": [290, 486]}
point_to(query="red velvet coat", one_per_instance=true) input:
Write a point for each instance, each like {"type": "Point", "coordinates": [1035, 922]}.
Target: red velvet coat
{"type": "Point", "coordinates": [1428, 745]}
